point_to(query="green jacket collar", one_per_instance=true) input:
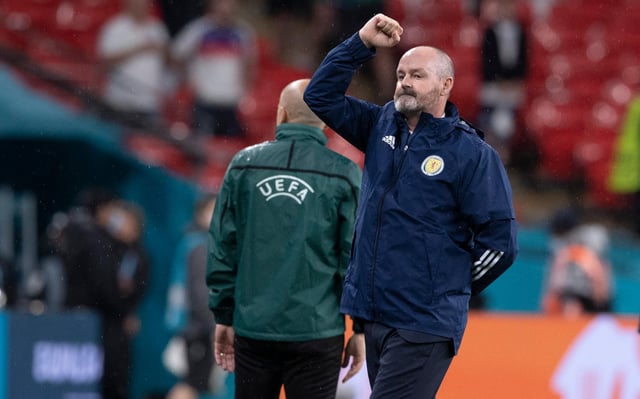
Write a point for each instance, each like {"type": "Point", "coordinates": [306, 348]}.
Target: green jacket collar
{"type": "Point", "coordinates": [296, 131]}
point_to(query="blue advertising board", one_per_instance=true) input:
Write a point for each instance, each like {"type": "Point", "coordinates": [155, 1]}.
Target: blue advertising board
{"type": "Point", "coordinates": [52, 356]}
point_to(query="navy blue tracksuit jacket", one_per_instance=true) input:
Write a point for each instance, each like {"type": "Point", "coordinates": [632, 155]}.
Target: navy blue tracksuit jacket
{"type": "Point", "coordinates": [435, 221]}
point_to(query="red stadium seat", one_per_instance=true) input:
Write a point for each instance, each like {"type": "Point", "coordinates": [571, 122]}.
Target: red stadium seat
{"type": "Point", "coordinates": [39, 8]}
{"type": "Point", "coordinates": [78, 24]}
{"type": "Point", "coordinates": [84, 74]}
{"type": "Point", "coordinates": [155, 151]}
{"type": "Point", "coordinates": [604, 115]}
{"type": "Point", "coordinates": [258, 108]}
{"type": "Point", "coordinates": [464, 95]}
{"type": "Point", "coordinates": [220, 150]}
{"type": "Point", "coordinates": [468, 35]}
{"type": "Point", "coordinates": [210, 177]}
{"type": "Point", "coordinates": [593, 157]}
{"type": "Point", "coordinates": [546, 114]}
{"type": "Point", "coordinates": [617, 92]}
{"type": "Point", "coordinates": [580, 16]}
{"type": "Point", "coordinates": [556, 149]}
{"type": "Point", "coordinates": [179, 109]}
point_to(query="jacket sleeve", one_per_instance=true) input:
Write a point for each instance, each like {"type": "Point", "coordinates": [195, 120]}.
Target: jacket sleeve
{"type": "Point", "coordinates": [222, 256]}
{"type": "Point", "coordinates": [495, 250]}
{"type": "Point", "coordinates": [350, 117]}
{"type": "Point", "coordinates": [486, 200]}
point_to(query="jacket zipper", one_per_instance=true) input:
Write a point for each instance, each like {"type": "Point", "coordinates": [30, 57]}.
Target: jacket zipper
{"type": "Point", "coordinates": [391, 185]}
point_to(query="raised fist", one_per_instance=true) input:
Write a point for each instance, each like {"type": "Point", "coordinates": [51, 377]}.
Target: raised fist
{"type": "Point", "coordinates": [381, 31]}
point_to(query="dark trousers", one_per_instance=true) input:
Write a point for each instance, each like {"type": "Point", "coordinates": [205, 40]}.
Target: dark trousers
{"type": "Point", "coordinates": [403, 365]}
{"type": "Point", "coordinates": [307, 369]}
{"type": "Point", "coordinates": [200, 362]}
{"type": "Point", "coordinates": [117, 361]}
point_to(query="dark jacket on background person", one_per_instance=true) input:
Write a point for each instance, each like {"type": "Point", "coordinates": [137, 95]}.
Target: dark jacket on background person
{"type": "Point", "coordinates": [273, 194]}
{"type": "Point", "coordinates": [94, 261]}
{"type": "Point", "coordinates": [435, 222]}
{"type": "Point", "coordinates": [493, 68]}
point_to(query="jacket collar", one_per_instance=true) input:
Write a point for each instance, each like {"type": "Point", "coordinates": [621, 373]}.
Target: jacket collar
{"type": "Point", "coordinates": [297, 131]}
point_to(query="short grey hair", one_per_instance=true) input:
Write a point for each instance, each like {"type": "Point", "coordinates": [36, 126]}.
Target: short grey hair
{"type": "Point", "coordinates": [444, 64]}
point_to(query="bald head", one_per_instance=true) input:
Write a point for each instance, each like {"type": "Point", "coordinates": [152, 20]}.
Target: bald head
{"type": "Point", "coordinates": [293, 109]}
{"type": "Point", "coordinates": [434, 59]}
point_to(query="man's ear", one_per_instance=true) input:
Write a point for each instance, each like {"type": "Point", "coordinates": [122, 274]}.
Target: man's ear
{"type": "Point", "coordinates": [447, 85]}
{"type": "Point", "coordinates": [281, 116]}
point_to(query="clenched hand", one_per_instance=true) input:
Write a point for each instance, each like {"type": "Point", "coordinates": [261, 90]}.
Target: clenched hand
{"type": "Point", "coordinates": [381, 31]}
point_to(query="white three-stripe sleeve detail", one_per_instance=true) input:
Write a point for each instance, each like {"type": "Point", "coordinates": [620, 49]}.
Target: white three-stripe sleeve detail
{"type": "Point", "coordinates": [485, 260]}
{"type": "Point", "coordinates": [481, 272]}
{"type": "Point", "coordinates": [484, 255]}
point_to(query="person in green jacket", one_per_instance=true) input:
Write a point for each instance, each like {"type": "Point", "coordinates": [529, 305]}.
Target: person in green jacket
{"type": "Point", "coordinates": [279, 245]}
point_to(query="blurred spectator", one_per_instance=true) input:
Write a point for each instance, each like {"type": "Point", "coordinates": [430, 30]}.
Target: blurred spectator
{"type": "Point", "coordinates": [218, 53]}
{"type": "Point", "coordinates": [188, 313]}
{"type": "Point", "coordinates": [133, 47]}
{"type": "Point", "coordinates": [624, 177]}
{"type": "Point", "coordinates": [504, 72]}
{"type": "Point", "coordinates": [106, 270]}
{"type": "Point", "coordinates": [579, 278]}
{"type": "Point", "coordinates": [63, 231]}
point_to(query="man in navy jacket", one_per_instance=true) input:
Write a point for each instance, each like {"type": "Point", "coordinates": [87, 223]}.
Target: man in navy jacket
{"type": "Point", "coordinates": [435, 222]}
